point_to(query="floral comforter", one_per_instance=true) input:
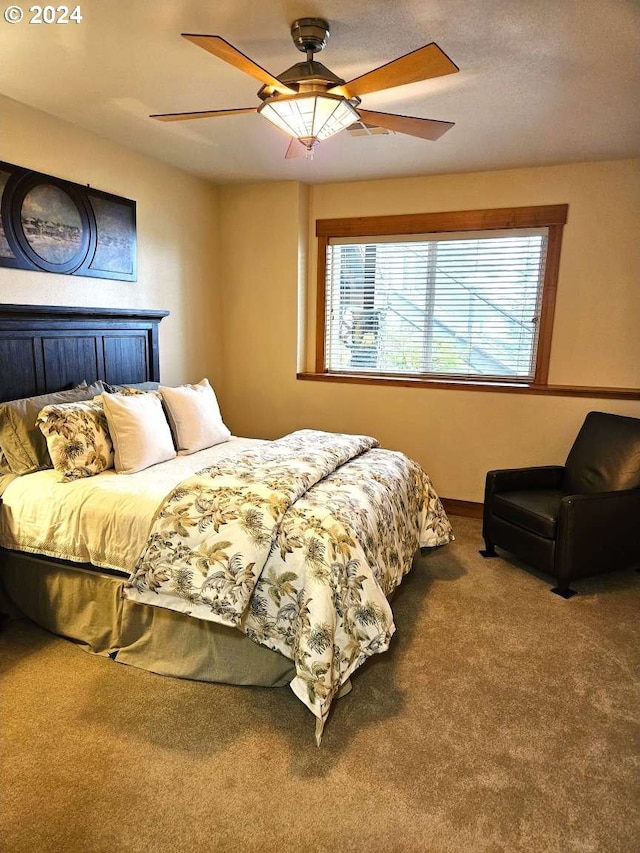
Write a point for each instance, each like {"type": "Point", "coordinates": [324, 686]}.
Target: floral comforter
{"type": "Point", "coordinates": [298, 544]}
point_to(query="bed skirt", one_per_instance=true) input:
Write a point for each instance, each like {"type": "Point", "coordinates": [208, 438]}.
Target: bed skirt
{"type": "Point", "coordinates": [86, 606]}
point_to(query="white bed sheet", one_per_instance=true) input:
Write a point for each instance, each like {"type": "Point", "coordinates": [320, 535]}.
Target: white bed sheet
{"type": "Point", "coordinates": [103, 520]}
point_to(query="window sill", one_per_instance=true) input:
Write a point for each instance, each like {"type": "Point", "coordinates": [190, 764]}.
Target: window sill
{"type": "Point", "coordinates": [461, 385]}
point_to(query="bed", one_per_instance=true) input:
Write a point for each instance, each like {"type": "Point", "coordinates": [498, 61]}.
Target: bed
{"type": "Point", "coordinates": [308, 602]}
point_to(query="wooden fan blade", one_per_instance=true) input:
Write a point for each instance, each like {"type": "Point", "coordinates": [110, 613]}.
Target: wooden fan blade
{"type": "Point", "coordinates": [425, 128]}
{"type": "Point", "coordinates": [223, 50]}
{"type": "Point", "coordinates": [203, 114]}
{"type": "Point", "coordinates": [421, 64]}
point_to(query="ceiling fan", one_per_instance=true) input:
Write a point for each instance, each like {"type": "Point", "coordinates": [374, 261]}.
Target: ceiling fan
{"type": "Point", "coordinates": [310, 103]}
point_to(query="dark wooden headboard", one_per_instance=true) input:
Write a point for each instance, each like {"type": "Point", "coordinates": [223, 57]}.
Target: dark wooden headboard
{"type": "Point", "coordinates": [48, 348]}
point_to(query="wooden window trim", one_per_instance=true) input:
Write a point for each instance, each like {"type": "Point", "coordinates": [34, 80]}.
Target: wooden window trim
{"type": "Point", "coordinates": [594, 392]}
{"type": "Point", "coordinates": [458, 220]}
{"type": "Point", "coordinates": [553, 217]}
{"type": "Point", "coordinates": [321, 292]}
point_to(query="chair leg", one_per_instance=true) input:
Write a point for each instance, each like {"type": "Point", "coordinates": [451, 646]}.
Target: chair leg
{"type": "Point", "coordinates": [489, 550]}
{"type": "Point", "coordinates": [563, 591]}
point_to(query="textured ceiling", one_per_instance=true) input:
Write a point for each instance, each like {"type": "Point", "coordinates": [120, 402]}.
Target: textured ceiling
{"type": "Point", "coordinates": [550, 81]}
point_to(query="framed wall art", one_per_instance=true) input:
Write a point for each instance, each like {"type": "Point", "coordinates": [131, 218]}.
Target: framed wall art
{"type": "Point", "coordinates": [52, 225]}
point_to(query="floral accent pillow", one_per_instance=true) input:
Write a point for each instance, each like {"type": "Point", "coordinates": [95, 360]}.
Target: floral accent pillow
{"type": "Point", "coordinates": [131, 391]}
{"type": "Point", "coordinates": [21, 441]}
{"type": "Point", "coordinates": [127, 391]}
{"type": "Point", "coordinates": [78, 438]}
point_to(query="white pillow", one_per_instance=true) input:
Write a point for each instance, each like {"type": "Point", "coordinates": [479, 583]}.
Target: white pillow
{"type": "Point", "coordinates": [139, 431]}
{"type": "Point", "coordinates": [194, 416]}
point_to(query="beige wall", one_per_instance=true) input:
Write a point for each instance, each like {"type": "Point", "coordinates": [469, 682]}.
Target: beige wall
{"type": "Point", "coordinates": [456, 435]}
{"type": "Point", "coordinates": [263, 233]}
{"type": "Point", "coordinates": [177, 224]}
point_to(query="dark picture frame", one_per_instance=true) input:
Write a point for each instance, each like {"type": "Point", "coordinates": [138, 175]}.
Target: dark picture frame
{"type": "Point", "coordinates": [52, 225]}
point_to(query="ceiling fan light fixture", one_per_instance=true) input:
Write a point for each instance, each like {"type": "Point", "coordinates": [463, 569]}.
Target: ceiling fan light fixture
{"type": "Point", "coordinates": [309, 116]}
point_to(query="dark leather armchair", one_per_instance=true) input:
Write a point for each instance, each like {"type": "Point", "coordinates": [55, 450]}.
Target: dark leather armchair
{"type": "Point", "coordinates": [575, 520]}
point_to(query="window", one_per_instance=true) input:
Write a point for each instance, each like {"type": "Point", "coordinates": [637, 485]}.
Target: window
{"type": "Point", "coordinates": [464, 297]}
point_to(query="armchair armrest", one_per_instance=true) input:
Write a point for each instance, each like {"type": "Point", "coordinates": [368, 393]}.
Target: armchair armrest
{"type": "Point", "coordinates": [511, 480]}
{"type": "Point", "coordinates": [515, 479]}
{"type": "Point", "coordinates": [597, 532]}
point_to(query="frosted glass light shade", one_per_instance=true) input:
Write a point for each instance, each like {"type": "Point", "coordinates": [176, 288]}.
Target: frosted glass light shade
{"type": "Point", "coordinates": [309, 116]}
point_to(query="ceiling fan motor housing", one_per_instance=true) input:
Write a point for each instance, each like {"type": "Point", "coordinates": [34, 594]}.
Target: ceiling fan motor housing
{"type": "Point", "coordinates": [305, 77]}
{"type": "Point", "coordinates": [310, 34]}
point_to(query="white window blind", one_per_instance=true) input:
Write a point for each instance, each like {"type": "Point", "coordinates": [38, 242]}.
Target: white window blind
{"type": "Point", "coordinates": [463, 305]}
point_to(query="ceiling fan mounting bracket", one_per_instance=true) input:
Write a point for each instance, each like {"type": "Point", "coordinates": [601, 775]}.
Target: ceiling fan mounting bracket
{"type": "Point", "coordinates": [310, 34]}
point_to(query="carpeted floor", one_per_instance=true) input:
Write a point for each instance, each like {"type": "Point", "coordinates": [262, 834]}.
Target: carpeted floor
{"type": "Point", "coordinates": [502, 719]}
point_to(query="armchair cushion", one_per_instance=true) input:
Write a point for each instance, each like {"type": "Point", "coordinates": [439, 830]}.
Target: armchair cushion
{"type": "Point", "coordinates": [605, 456]}
{"type": "Point", "coordinates": [535, 510]}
